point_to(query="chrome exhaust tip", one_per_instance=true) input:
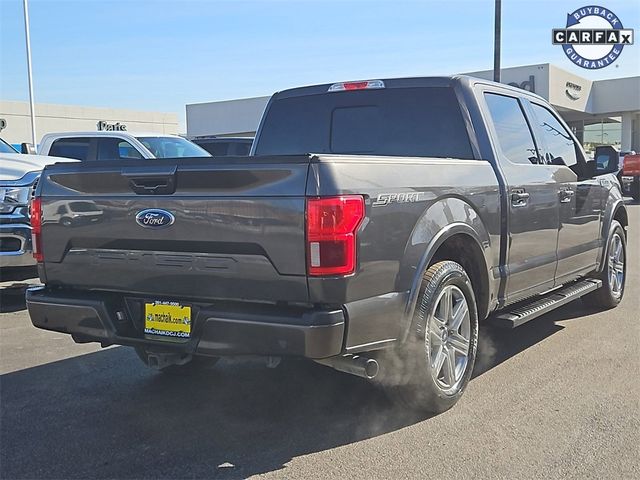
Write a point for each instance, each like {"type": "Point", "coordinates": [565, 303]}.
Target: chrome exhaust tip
{"type": "Point", "coordinates": [358, 365]}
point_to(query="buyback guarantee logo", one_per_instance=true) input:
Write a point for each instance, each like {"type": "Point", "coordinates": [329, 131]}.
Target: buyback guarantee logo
{"type": "Point", "coordinates": [593, 38]}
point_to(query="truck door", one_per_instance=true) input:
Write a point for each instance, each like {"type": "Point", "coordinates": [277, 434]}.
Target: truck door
{"type": "Point", "coordinates": [532, 200]}
{"type": "Point", "coordinates": [582, 200]}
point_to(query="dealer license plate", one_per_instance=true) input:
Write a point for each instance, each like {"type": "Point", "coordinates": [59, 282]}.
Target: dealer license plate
{"type": "Point", "coordinates": [169, 319]}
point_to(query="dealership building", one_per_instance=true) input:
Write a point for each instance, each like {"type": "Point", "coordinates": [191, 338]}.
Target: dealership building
{"type": "Point", "coordinates": [599, 112]}
{"type": "Point", "coordinates": [15, 120]}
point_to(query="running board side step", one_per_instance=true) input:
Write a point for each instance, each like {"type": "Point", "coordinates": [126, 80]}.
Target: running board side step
{"type": "Point", "coordinates": [522, 313]}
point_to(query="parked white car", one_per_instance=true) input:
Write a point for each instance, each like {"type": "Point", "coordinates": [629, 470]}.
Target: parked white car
{"type": "Point", "coordinates": [115, 145]}
{"type": "Point", "coordinates": [19, 175]}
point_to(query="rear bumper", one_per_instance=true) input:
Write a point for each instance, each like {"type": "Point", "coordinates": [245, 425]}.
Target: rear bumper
{"type": "Point", "coordinates": [628, 182]}
{"type": "Point", "coordinates": [217, 330]}
{"type": "Point", "coordinates": [15, 243]}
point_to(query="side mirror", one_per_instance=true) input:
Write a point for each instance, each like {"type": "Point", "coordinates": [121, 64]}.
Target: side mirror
{"type": "Point", "coordinates": [27, 148]}
{"type": "Point", "coordinates": [607, 160]}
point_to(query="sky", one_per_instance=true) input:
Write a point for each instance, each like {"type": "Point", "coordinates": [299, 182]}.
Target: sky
{"type": "Point", "coordinates": [159, 55]}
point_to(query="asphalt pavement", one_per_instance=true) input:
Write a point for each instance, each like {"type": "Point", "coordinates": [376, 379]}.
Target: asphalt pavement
{"type": "Point", "coordinates": [556, 398]}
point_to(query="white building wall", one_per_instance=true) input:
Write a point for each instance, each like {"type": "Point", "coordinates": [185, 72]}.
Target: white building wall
{"type": "Point", "coordinates": [225, 118]}
{"type": "Point", "coordinates": [70, 118]}
{"type": "Point", "coordinates": [616, 95]}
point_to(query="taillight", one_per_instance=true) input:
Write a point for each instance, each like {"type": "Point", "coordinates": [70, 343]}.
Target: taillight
{"type": "Point", "coordinates": [332, 223]}
{"type": "Point", "coordinates": [631, 165]}
{"type": "Point", "coordinates": [35, 211]}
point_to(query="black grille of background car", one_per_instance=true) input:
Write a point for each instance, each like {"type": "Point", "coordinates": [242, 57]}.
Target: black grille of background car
{"type": "Point", "coordinates": [34, 186]}
{"type": "Point", "coordinates": [10, 244]}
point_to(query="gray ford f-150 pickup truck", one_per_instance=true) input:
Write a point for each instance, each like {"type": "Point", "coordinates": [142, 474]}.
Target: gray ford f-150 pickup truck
{"type": "Point", "coordinates": [373, 226]}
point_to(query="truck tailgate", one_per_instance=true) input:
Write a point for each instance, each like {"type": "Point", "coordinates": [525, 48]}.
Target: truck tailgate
{"type": "Point", "coordinates": [237, 230]}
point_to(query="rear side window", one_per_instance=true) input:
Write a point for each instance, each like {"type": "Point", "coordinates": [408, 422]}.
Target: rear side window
{"type": "Point", "coordinates": [512, 130]}
{"type": "Point", "coordinates": [240, 149]}
{"type": "Point", "coordinates": [217, 149]}
{"type": "Point", "coordinates": [116, 149]}
{"type": "Point", "coordinates": [560, 147]}
{"type": "Point", "coordinates": [77, 148]}
{"type": "Point", "coordinates": [422, 122]}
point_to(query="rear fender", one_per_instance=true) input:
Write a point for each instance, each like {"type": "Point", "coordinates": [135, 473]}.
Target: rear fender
{"type": "Point", "coordinates": [615, 206]}
{"type": "Point", "coordinates": [441, 221]}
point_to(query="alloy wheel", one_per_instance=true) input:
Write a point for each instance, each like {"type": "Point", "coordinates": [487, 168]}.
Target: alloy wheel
{"type": "Point", "coordinates": [448, 339]}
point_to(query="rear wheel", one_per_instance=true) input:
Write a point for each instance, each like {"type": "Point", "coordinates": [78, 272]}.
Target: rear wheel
{"type": "Point", "coordinates": [441, 350]}
{"type": "Point", "coordinates": [189, 364]}
{"type": "Point", "coordinates": [613, 275]}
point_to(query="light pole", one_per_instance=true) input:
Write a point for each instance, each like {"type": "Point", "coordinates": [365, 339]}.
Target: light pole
{"type": "Point", "coordinates": [29, 74]}
{"type": "Point", "coordinates": [496, 41]}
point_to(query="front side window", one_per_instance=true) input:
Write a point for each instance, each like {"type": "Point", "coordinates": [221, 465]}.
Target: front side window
{"type": "Point", "coordinates": [560, 147]}
{"type": "Point", "coordinates": [126, 150]}
{"type": "Point", "coordinates": [172, 147]}
{"type": "Point", "coordinates": [77, 148]}
{"type": "Point", "coordinates": [116, 149]}
{"type": "Point", "coordinates": [512, 130]}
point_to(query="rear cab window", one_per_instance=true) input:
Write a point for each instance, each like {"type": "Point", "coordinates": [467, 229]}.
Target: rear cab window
{"type": "Point", "coordinates": [415, 121]}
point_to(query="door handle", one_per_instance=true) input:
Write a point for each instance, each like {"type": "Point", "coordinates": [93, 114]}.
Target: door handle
{"type": "Point", "coordinates": [565, 195]}
{"type": "Point", "coordinates": [519, 198]}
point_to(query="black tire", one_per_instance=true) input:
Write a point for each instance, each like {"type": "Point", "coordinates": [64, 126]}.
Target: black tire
{"type": "Point", "coordinates": [608, 296]}
{"type": "Point", "coordinates": [197, 364]}
{"type": "Point", "coordinates": [420, 387]}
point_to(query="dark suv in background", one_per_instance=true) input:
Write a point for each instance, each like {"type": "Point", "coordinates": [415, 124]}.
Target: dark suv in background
{"type": "Point", "coordinates": [224, 146]}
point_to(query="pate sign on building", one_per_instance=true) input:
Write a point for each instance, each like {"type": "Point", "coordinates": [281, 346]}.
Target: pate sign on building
{"type": "Point", "coordinates": [593, 37]}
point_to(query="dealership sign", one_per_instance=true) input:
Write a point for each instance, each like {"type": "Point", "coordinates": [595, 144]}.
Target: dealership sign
{"type": "Point", "coordinates": [528, 85]}
{"type": "Point", "coordinates": [593, 37]}
{"type": "Point", "coordinates": [111, 127]}
{"type": "Point", "coordinates": [573, 91]}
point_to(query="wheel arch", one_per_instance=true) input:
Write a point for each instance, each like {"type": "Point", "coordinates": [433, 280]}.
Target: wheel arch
{"type": "Point", "coordinates": [461, 243]}
{"type": "Point", "coordinates": [617, 212]}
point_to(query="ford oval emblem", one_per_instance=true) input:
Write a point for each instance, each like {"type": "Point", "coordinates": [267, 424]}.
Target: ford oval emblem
{"type": "Point", "coordinates": [155, 218]}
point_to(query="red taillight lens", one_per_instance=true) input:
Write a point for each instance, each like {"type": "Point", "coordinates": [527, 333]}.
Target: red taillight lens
{"type": "Point", "coordinates": [331, 234]}
{"type": "Point", "coordinates": [631, 165]}
{"type": "Point", "coordinates": [363, 85]}
{"type": "Point", "coordinates": [35, 211]}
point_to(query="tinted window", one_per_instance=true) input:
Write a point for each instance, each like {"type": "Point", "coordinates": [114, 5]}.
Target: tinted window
{"type": "Point", "coordinates": [217, 149]}
{"type": "Point", "coordinates": [558, 142]}
{"type": "Point", "coordinates": [172, 147]}
{"type": "Point", "coordinates": [126, 150]}
{"type": "Point", "coordinates": [425, 122]}
{"type": "Point", "coordinates": [512, 129]}
{"type": "Point", "coordinates": [115, 149]}
{"type": "Point", "coordinates": [77, 148]}
{"type": "Point", "coordinates": [240, 149]}
{"type": "Point", "coordinates": [6, 148]}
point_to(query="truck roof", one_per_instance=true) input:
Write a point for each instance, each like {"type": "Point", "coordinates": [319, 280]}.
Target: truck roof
{"type": "Point", "coordinates": [405, 82]}
{"type": "Point", "coordinates": [110, 133]}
